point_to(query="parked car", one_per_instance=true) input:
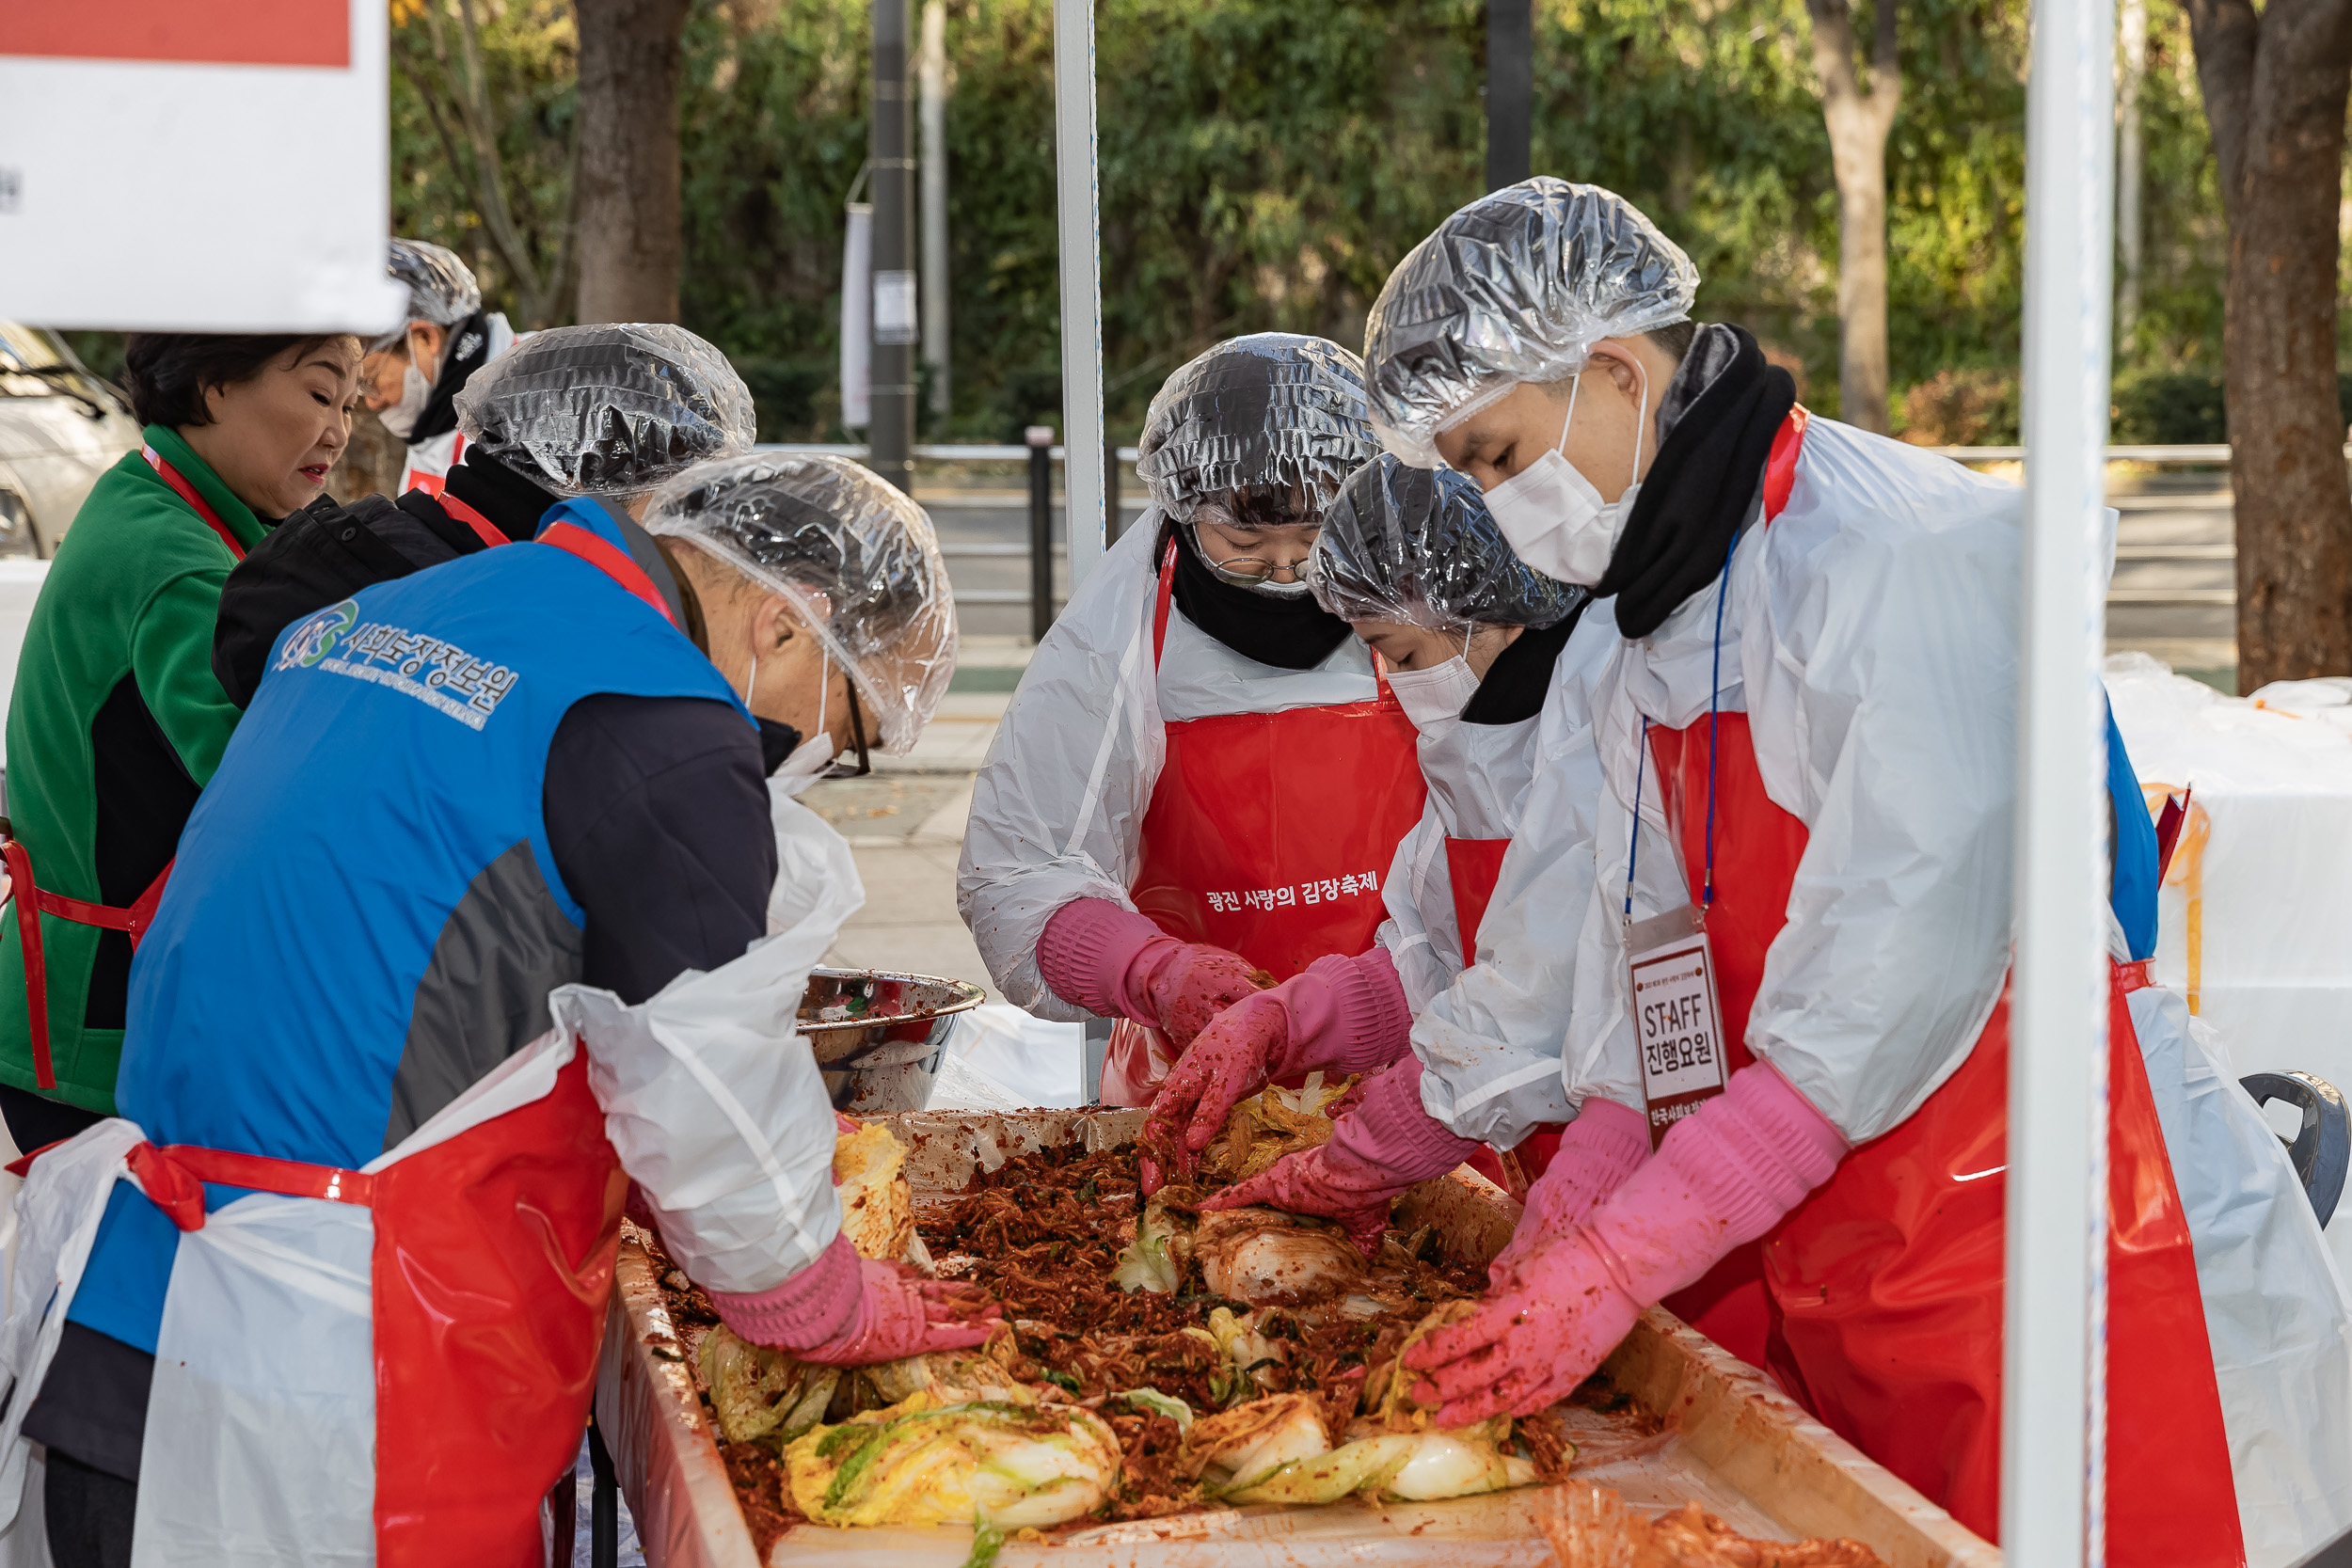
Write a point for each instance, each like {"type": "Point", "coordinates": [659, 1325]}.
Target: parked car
{"type": "Point", "coordinates": [60, 428]}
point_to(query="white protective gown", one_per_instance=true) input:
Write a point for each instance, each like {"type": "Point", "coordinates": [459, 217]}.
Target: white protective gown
{"type": "Point", "coordinates": [1057, 810]}
{"type": "Point", "coordinates": [1488, 1035]}
{"type": "Point", "coordinates": [1870, 633]}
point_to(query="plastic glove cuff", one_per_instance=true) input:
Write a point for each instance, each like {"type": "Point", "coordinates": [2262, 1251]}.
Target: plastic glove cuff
{"type": "Point", "coordinates": [1088, 951]}
{"type": "Point", "coordinates": [822, 1305]}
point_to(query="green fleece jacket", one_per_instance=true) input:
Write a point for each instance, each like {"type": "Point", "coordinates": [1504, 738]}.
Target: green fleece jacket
{"type": "Point", "coordinates": [134, 593]}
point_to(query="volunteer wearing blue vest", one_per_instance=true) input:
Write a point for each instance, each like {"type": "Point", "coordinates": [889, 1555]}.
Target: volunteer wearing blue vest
{"type": "Point", "coordinates": [347, 1295]}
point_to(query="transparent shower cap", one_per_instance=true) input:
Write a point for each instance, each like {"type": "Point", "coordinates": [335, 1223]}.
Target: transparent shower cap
{"type": "Point", "coordinates": [441, 288]}
{"type": "Point", "coordinates": [1418, 545]}
{"type": "Point", "coordinates": [1275, 413]}
{"type": "Point", "coordinates": [1518, 286]}
{"type": "Point", "coordinates": [607, 410]}
{"type": "Point", "coordinates": [853, 556]}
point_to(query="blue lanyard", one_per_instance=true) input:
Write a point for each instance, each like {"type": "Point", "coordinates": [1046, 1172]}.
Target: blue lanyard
{"type": "Point", "coordinates": [1714, 687]}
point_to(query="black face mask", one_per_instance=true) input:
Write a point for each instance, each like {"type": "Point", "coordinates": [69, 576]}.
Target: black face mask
{"type": "Point", "coordinates": [1289, 634]}
{"type": "Point", "coordinates": [1699, 491]}
{"type": "Point", "coordinates": [464, 351]}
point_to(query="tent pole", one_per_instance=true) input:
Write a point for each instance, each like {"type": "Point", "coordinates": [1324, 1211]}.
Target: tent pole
{"type": "Point", "coordinates": [1080, 225]}
{"type": "Point", "coordinates": [2054, 1412]}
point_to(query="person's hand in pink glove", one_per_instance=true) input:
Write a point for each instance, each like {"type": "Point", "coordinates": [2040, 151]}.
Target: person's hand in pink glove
{"type": "Point", "coordinates": [1605, 1144]}
{"type": "Point", "coordinates": [1342, 1014]}
{"type": "Point", "coordinates": [1116, 963]}
{"type": "Point", "coordinates": [844, 1311]}
{"type": "Point", "coordinates": [1382, 1147]}
{"type": "Point", "coordinates": [1725, 1176]}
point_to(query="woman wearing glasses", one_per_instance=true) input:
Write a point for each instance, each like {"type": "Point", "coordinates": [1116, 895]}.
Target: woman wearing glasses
{"type": "Point", "coordinates": [1199, 784]}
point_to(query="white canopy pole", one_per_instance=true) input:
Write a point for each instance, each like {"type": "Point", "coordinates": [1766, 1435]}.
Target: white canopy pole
{"type": "Point", "coordinates": [2054, 1407]}
{"type": "Point", "coordinates": [1080, 215]}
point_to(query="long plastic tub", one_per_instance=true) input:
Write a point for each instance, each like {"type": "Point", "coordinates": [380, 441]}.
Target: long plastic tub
{"type": "Point", "coordinates": [1731, 1440]}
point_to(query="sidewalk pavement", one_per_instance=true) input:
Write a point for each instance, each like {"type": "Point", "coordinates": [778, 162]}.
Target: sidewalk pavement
{"type": "Point", "coordinates": [905, 826]}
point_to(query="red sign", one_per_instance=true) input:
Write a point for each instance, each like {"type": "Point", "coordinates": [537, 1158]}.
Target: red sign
{"type": "Point", "coordinates": [208, 32]}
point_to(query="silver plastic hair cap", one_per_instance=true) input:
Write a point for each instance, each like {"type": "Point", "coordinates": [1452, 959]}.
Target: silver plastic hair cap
{"type": "Point", "coordinates": [853, 555]}
{"type": "Point", "coordinates": [1518, 286]}
{"type": "Point", "coordinates": [441, 288]}
{"type": "Point", "coordinates": [1275, 410]}
{"type": "Point", "coordinates": [1418, 546]}
{"type": "Point", "coordinates": [607, 410]}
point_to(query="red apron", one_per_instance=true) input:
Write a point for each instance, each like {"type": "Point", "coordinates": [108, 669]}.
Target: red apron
{"type": "Point", "coordinates": [32, 902]}
{"type": "Point", "coordinates": [1268, 835]}
{"type": "Point", "coordinates": [1878, 1302]}
{"type": "Point", "coordinates": [491, 1272]}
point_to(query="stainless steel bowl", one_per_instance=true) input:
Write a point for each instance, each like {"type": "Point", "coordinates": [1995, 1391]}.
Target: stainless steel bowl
{"type": "Point", "coordinates": [881, 1058]}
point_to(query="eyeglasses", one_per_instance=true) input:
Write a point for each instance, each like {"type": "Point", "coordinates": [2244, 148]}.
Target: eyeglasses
{"type": "Point", "coordinates": [1245, 571]}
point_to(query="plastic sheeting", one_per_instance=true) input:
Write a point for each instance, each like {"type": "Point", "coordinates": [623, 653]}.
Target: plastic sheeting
{"type": "Point", "coordinates": [1272, 412]}
{"type": "Point", "coordinates": [1418, 545]}
{"type": "Point", "coordinates": [1057, 810]}
{"type": "Point", "coordinates": [2256, 931]}
{"type": "Point", "coordinates": [608, 411]}
{"type": "Point", "coordinates": [1489, 1042]}
{"type": "Point", "coordinates": [2274, 1304]}
{"type": "Point", "coordinates": [261, 1423]}
{"type": "Point", "coordinates": [714, 1101]}
{"type": "Point", "coordinates": [999, 1058]}
{"type": "Point", "coordinates": [1518, 286]}
{"type": "Point", "coordinates": [1871, 635]}
{"type": "Point", "coordinates": [852, 554]}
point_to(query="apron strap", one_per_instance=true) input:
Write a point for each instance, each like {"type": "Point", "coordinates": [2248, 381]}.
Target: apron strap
{"type": "Point", "coordinates": [171, 476]}
{"type": "Point", "coordinates": [2135, 976]}
{"type": "Point", "coordinates": [32, 903]}
{"type": "Point", "coordinates": [1780, 464]}
{"type": "Point", "coordinates": [173, 1179]}
{"type": "Point", "coordinates": [575, 540]}
{"type": "Point", "coordinates": [485, 529]}
{"type": "Point", "coordinates": [1159, 612]}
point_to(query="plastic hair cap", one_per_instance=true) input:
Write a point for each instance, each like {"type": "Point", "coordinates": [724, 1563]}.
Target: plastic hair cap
{"type": "Point", "coordinates": [1418, 545]}
{"type": "Point", "coordinates": [854, 558]}
{"type": "Point", "coordinates": [441, 288]}
{"type": "Point", "coordinates": [1275, 413]}
{"type": "Point", "coordinates": [1518, 286]}
{"type": "Point", "coordinates": [607, 410]}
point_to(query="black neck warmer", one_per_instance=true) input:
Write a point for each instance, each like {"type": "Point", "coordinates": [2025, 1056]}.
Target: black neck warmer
{"type": "Point", "coordinates": [1698, 491]}
{"type": "Point", "coordinates": [464, 351]}
{"type": "Point", "coordinates": [1518, 681]}
{"type": "Point", "coordinates": [500, 494]}
{"type": "Point", "coordinates": [776, 742]}
{"type": "Point", "coordinates": [1289, 634]}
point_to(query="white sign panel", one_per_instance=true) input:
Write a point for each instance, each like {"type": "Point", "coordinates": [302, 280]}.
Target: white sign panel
{"type": "Point", "coordinates": [211, 166]}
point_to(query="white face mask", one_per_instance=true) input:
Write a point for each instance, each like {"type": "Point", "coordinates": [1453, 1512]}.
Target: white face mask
{"type": "Point", "coordinates": [1554, 519]}
{"type": "Point", "coordinates": [1433, 697]}
{"type": "Point", "coordinates": [415, 392]}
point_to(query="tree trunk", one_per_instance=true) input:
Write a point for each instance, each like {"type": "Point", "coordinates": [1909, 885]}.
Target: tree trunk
{"type": "Point", "coordinates": [628, 183]}
{"type": "Point", "coordinates": [2275, 91]}
{"type": "Point", "coordinates": [1859, 119]}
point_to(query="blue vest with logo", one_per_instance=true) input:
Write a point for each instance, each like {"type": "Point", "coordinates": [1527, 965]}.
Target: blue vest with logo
{"type": "Point", "coordinates": [393, 761]}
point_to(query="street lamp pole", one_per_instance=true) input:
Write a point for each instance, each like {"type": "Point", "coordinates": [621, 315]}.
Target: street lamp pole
{"type": "Point", "coordinates": [896, 327]}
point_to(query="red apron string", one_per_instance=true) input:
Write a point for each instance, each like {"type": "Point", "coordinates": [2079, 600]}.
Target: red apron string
{"type": "Point", "coordinates": [485, 529]}
{"type": "Point", "coordinates": [171, 476]}
{"type": "Point", "coordinates": [173, 1178]}
{"type": "Point", "coordinates": [31, 903]}
{"type": "Point", "coordinates": [2135, 976]}
{"type": "Point", "coordinates": [614, 562]}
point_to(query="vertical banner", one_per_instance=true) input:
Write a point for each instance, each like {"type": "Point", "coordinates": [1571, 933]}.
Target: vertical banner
{"type": "Point", "coordinates": [1080, 224]}
{"type": "Point", "coordinates": [857, 315]}
{"type": "Point", "coordinates": [195, 165]}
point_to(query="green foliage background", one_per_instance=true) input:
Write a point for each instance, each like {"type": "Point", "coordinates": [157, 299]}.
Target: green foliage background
{"type": "Point", "coordinates": [1265, 163]}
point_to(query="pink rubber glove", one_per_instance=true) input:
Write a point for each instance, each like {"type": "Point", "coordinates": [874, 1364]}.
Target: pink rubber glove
{"type": "Point", "coordinates": [1725, 1176]}
{"type": "Point", "coordinates": [1116, 964]}
{"type": "Point", "coordinates": [844, 1311]}
{"type": "Point", "coordinates": [1382, 1147]}
{"type": "Point", "coordinates": [1342, 1014]}
{"type": "Point", "coordinates": [1603, 1146]}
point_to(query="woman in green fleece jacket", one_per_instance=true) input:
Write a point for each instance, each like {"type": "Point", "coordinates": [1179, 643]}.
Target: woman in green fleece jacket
{"type": "Point", "coordinates": [117, 720]}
